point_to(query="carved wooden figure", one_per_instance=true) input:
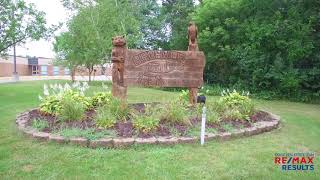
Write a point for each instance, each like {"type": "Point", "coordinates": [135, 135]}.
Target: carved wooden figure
{"type": "Point", "coordinates": [118, 58]}
{"type": "Point", "coordinates": [193, 46]}
{"type": "Point", "coordinates": [192, 35]}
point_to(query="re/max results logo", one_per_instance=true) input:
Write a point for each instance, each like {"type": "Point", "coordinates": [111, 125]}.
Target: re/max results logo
{"type": "Point", "coordinates": [295, 161]}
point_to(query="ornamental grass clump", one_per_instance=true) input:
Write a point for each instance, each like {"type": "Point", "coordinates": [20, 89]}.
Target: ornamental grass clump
{"type": "Point", "coordinates": [105, 118]}
{"type": "Point", "coordinates": [175, 112]}
{"type": "Point", "coordinates": [71, 110]}
{"type": "Point", "coordinates": [112, 111]}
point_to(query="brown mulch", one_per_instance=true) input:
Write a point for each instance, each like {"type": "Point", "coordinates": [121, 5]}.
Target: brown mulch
{"type": "Point", "coordinates": [125, 128]}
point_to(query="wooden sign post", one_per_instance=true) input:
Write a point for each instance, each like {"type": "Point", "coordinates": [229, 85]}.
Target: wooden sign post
{"type": "Point", "coordinates": [132, 67]}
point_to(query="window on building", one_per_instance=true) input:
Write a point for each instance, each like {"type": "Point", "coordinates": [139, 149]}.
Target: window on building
{"type": "Point", "coordinates": [44, 70]}
{"type": "Point", "coordinates": [55, 70]}
{"type": "Point", "coordinates": [66, 71]}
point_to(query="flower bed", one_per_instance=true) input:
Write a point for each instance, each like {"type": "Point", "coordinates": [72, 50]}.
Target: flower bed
{"type": "Point", "coordinates": [67, 115]}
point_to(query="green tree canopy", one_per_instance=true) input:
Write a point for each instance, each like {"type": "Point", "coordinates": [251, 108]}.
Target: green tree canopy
{"type": "Point", "coordinates": [20, 21]}
{"type": "Point", "coordinates": [269, 45]}
{"type": "Point", "coordinates": [90, 32]}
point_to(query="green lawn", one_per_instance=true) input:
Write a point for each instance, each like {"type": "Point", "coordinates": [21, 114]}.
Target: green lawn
{"type": "Point", "coordinates": [23, 158]}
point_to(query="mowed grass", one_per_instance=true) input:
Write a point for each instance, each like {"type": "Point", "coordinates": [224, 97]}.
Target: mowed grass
{"type": "Point", "coordinates": [246, 158]}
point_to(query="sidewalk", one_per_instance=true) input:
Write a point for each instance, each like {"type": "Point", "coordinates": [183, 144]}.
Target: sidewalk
{"type": "Point", "coordinates": [36, 78]}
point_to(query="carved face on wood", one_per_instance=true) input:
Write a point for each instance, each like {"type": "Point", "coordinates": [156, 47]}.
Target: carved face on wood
{"type": "Point", "coordinates": [118, 41]}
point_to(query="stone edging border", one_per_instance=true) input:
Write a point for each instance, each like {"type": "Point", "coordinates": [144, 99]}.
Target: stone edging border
{"type": "Point", "coordinates": [118, 142]}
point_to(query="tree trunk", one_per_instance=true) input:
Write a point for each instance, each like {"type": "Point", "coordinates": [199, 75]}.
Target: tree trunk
{"type": "Point", "coordinates": [73, 73]}
{"type": "Point", "coordinates": [90, 72]}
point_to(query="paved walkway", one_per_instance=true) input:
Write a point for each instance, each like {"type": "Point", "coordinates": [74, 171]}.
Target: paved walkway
{"type": "Point", "coordinates": [35, 78]}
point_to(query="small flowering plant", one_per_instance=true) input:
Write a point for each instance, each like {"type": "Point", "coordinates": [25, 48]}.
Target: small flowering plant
{"type": "Point", "coordinates": [55, 93]}
{"type": "Point", "coordinates": [59, 89]}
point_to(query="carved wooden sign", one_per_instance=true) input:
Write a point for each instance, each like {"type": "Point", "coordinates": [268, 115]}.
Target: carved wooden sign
{"type": "Point", "coordinates": [164, 68]}
{"type": "Point", "coordinates": [132, 67]}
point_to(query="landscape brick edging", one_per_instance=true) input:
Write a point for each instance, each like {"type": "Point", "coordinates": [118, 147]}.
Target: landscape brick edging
{"type": "Point", "coordinates": [118, 142]}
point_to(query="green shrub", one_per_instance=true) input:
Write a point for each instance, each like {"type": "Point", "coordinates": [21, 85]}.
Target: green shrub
{"type": "Point", "coordinates": [53, 104]}
{"type": "Point", "coordinates": [71, 110]}
{"type": "Point", "coordinates": [101, 98]}
{"type": "Point", "coordinates": [234, 106]}
{"type": "Point", "coordinates": [76, 96]}
{"type": "Point", "coordinates": [105, 118]}
{"type": "Point", "coordinates": [175, 112]}
{"type": "Point", "coordinates": [147, 121]}
{"type": "Point", "coordinates": [50, 105]}
{"type": "Point", "coordinates": [40, 124]}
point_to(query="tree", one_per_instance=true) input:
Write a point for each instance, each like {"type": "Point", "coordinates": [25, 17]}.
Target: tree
{"type": "Point", "coordinates": [177, 16]}
{"type": "Point", "coordinates": [65, 55]}
{"type": "Point", "coordinates": [270, 45]}
{"type": "Point", "coordinates": [154, 33]}
{"type": "Point", "coordinates": [20, 21]}
{"type": "Point", "coordinates": [91, 30]}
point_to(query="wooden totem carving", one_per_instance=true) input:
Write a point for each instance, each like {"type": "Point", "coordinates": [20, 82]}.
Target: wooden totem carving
{"type": "Point", "coordinates": [193, 46]}
{"type": "Point", "coordinates": [192, 35]}
{"type": "Point", "coordinates": [118, 57]}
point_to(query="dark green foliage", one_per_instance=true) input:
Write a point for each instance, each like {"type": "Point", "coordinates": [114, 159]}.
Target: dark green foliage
{"type": "Point", "coordinates": [100, 98]}
{"type": "Point", "coordinates": [262, 46]}
{"type": "Point", "coordinates": [176, 17]}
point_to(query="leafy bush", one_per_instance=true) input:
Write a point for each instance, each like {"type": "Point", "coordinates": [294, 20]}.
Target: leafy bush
{"type": "Point", "coordinates": [272, 46]}
{"type": "Point", "coordinates": [50, 105]}
{"type": "Point", "coordinates": [77, 96]}
{"type": "Point", "coordinates": [147, 121]}
{"type": "Point", "coordinates": [54, 95]}
{"type": "Point", "coordinates": [105, 118]}
{"type": "Point", "coordinates": [71, 110]}
{"type": "Point", "coordinates": [234, 106]}
{"type": "Point", "coordinates": [40, 124]}
{"type": "Point", "coordinates": [101, 98]}
{"type": "Point", "coordinates": [175, 112]}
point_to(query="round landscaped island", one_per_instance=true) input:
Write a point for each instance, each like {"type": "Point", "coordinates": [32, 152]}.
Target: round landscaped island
{"type": "Point", "coordinates": [102, 121]}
